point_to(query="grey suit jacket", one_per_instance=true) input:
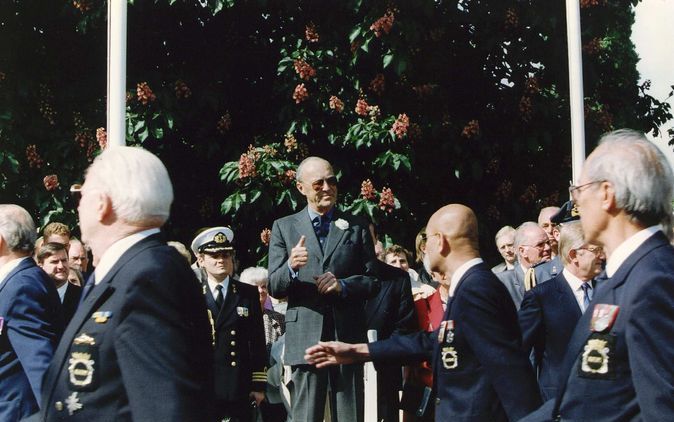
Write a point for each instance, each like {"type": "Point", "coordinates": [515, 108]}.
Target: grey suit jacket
{"type": "Point", "coordinates": [349, 254]}
{"type": "Point", "coordinates": [499, 268]}
{"type": "Point", "coordinates": [514, 282]}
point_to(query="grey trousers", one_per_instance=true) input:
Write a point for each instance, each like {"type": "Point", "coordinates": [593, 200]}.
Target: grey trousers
{"type": "Point", "coordinates": [343, 385]}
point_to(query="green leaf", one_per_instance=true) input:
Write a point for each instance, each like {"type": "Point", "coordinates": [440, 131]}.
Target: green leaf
{"type": "Point", "coordinates": [159, 133]}
{"type": "Point", "coordinates": [255, 194]}
{"type": "Point", "coordinates": [233, 202]}
{"type": "Point", "coordinates": [388, 58]}
{"type": "Point", "coordinates": [355, 33]}
{"type": "Point", "coordinates": [142, 136]}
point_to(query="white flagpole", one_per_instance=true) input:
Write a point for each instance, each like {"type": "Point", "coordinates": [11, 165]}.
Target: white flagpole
{"type": "Point", "coordinates": [575, 87]}
{"type": "Point", "coordinates": [370, 384]}
{"type": "Point", "coordinates": [116, 125]}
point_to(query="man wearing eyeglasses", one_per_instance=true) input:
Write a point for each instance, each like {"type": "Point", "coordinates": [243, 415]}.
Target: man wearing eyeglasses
{"type": "Point", "coordinates": [323, 261]}
{"type": "Point", "coordinates": [618, 365]}
{"type": "Point", "coordinates": [532, 247]}
{"type": "Point", "coordinates": [550, 310]}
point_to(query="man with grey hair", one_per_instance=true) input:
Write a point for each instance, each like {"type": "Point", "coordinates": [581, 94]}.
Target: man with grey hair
{"type": "Point", "coordinates": [323, 261]}
{"type": "Point", "coordinates": [142, 320]}
{"type": "Point", "coordinates": [532, 247]}
{"type": "Point", "coordinates": [550, 310]}
{"type": "Point", "coordinates": [505, 243]}
{"type": "Point", "coordinates": [30, 317]}
{"type": "Point", "coordinates": [618, 364]}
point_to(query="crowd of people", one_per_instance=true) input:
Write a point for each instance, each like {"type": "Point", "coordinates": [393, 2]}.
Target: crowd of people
{"type": "Point", "coordinates": [121, 325]}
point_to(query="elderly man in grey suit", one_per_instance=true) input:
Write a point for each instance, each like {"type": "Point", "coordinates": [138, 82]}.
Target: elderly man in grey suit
{"type": "Point", "coordinates": [532, 247]}
{"type": "Point", "coordinates": [323, 261]}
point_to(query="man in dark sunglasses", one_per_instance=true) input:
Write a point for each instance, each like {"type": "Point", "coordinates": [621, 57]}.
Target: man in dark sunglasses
{"type": "Point", "coordinates": [322, 260]}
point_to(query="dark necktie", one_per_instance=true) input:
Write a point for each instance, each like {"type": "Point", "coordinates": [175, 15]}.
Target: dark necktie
{"type": "Point", "coordinates": [321, 227]}
{"type": "Point", "coordinates": [219, 300]}
{"type": "Point", "coordinates": [88, 286]}
{"type": "Point", "coordinates": [587, 295]}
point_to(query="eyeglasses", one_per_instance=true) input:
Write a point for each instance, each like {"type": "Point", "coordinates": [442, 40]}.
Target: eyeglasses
{"type": "Point", "coordinates": [540, 246]}
{"type": "Point", "coordinates": [597, 250]}
{"type": "Point", "coordinates": [318, 184]}
{"type": "Point", "coordinates": [575, 191]}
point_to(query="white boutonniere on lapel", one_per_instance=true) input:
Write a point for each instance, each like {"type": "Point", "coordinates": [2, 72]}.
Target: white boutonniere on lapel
{"type": "Point", "coordinates": [342, 224]}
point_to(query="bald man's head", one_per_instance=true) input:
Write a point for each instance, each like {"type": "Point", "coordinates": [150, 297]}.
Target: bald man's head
{"type": "Point", "coordinates": [452, 231]}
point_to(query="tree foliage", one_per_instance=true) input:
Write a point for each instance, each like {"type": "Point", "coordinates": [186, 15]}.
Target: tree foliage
{"type": "Point", "coordinates": [416, 104]}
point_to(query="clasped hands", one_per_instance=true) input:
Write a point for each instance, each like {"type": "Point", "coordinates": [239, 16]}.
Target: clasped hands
{"type": "Point", "coordinates": [327, 283]}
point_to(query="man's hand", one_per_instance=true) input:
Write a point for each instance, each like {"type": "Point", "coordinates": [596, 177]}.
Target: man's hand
{"type": "Point", "coordinates": [327, 283]}
{"type": "Point", "coordinates": [258, 396]}
{"type": "Point", "coordinates": [299, 256]}
{"type": "Point", "coordinates": [330, 353]}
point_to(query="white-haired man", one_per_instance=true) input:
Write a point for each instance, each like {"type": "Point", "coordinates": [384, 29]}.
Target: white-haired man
{"type": "Point", "coordinates": [139, 346]}
{"type": "Point", "coordinates": [505, 243]}
{"type": "Point", "coordinates": [532, 247]}
{"type": "Point", "coordinates": [618, 365]}
{"type": "Point", "coordinates": [30, 317]}
{"type": "Point", "coordinates": [550, 311]}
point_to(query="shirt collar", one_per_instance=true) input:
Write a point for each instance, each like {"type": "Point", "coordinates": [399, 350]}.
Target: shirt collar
{"type": "Point", "coordinates": [212, 284]}
{"type": "Point", "coordinates": [459, 273]}
{"type": "Point", "coordinates": [117, 249]}
{"type": "Point", "coordinates": [622, 252]}
{"type": "Point", "coordinates": [574, 282]}
{"type": "Point", "coordinates": [9, 267]}
{"type": "Point", "coordinates": [62, 291]}
{"type": "Point", "coordinates": [313, 214]}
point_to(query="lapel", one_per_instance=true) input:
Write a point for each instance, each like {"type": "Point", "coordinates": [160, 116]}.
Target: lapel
{"type": "Point", "coordinates": [210, 300]}
{"type": "Point", "coordinates": [448, 311]}
{"type": "Point", "coordinates": [231, 300]}
{"type": "Point", "coordinates": [603, 294]}
{"type": "Point", "coordinates": [567, 299]}
{"type": "Point", "coordinates": [304, 227]}
{"type": "Point", "coordinates": [98, 294]}
{"type": "Point", "coordinates": [24, 264]}
{"type": "Point", "coordinates": [519, 277]}
{"type": "Point", "coordinates": [335, 235]}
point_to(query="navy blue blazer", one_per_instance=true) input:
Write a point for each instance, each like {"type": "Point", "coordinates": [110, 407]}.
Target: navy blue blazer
{"type": "Point", "coordinates": [31, 327]}
{"type": "Point", "coordinates": [139, 346]}
{"type": "Point", "coordinates": [483, 374]}
{"type": "Point", "coordinates": [636, 381]}
{"type": "Point", "coordinates": [547, 317]}
{"type": "Point", "coordinates": [240, 352]}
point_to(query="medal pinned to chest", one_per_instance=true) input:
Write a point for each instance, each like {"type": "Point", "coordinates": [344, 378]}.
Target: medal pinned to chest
{"type": "Point", "coordinates": [448, 354]}
{"type": "Point", "coordinates": [597, 355]}
{"type": "Point", "coordinates": [83, 364]}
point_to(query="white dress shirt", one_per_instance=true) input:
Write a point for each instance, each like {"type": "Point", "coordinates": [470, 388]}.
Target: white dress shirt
{"type": "Point", "coordinates": [212, 285]}
{"type": "Point", "coordinates": [458, 274]}
{"type": "Point", "coordinates": [622, 252]}
{"type": "Point", "coordinates": [576, 287]}
{"type": "Point", "coordinates": [9, 267]}
{"type": "Point", "coordinates": [116, 250]}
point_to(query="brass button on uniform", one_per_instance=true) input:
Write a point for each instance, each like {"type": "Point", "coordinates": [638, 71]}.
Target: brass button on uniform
{"type": "Point", "coordinates": [58, 406]}
{"type": "Point", "coordinates": [233, 343]}
{"type": "Point", "coordinates": [232, 353]}
{"type": "Point", "coordinates": [233, 363]}
{"type": "Point", "coordinates": [233, 332]}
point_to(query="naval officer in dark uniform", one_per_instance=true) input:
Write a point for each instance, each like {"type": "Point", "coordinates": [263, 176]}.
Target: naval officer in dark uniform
{"type": "Point", "coordinates": [237, 326]}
